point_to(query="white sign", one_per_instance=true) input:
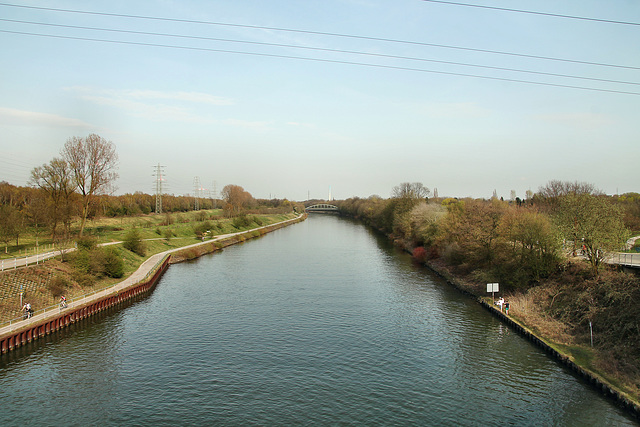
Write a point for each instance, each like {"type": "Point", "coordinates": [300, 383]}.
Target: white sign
{"type": "Point", "coordinates": [492, 287]}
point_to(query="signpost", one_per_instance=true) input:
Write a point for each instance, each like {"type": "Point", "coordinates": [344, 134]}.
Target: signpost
{"type": "Point", "coordinates": [493, 288]}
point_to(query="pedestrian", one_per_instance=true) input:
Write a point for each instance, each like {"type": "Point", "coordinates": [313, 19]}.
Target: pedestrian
{"type": "Point", "coordinates": [27, 310]}
{"type": "Point", "coordinates": [506, 308]}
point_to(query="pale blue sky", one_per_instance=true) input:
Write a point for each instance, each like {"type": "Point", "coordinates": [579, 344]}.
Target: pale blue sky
{"type": "Point", "coordinates": [290, 128]}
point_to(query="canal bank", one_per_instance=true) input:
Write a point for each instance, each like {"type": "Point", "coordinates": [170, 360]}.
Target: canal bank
{"type": "Point", "coordinates": [141, 282]}
{"type": "Point", "coordinates": [324, 323]}
{"type": "Point", "coordinates": [602, 385]}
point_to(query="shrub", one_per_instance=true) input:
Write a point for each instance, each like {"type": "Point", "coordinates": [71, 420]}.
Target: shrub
{"type": "Point", "coordinates": [86, 242]}
{"type": "Point", "coordinates": [241, 221]}
{"type": "Point", "coordinates": [168, 234]}
{"type": "Point", "coordinates": [168, 219]}
{"type": "Point", "coordinates": [420, 254]}
{"type": "Point", "coordinates": [81, 260]}
{"type": "Point", "coordinates": [134, 243]}
{"type": "Point", "coordinates": [158, 231]}
{"type": "Point", "coordinates": [57, 286]}
{"type": "Point", "coordinates": [84, 279]}
{"type": "Point", "coordinates": [113, 263]}
{"type": "Point", "coordinates": [201, 229]}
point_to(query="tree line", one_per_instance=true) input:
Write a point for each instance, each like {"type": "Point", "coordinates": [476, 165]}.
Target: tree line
{"type": "Point", "coordinates": [78, 185]}
{"type": "Point", "coordinates": [516, 242]}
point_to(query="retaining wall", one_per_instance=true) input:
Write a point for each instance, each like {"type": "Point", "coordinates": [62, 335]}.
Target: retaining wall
{"type": "Point", "coordinates": [597, 382]}
{"type": "Point", "coordinates": [33, 330]}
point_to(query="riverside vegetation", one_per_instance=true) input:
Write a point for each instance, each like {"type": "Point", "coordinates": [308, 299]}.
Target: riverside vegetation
{"type": "Point", "coordinates": [548, 253]}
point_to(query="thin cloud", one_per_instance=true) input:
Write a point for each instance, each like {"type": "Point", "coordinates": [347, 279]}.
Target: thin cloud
{"type": "Point", "coordinates": [154, 105]}
{"type": "Point", "coordinates": [34, 118]}
{"type": "Point", "coordinates": [578, 120]}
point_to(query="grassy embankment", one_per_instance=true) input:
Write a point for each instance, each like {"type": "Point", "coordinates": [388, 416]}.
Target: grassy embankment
{"type": "Point", "coordinates": [42, 285]}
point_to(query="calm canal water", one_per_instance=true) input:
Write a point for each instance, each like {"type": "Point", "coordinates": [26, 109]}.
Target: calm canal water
{"type": "Point", "coordinates": [320, 323]}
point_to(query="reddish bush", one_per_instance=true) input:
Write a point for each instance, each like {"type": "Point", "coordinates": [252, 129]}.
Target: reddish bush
{"type": "Point", "coordinates": [420, 254]}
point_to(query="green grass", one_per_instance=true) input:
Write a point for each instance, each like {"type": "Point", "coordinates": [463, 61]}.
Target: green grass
{"type": "Point", "coordinates": [114, 229]}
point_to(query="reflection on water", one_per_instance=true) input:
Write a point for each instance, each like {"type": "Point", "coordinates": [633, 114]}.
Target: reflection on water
{"type": "Point", "coordinates": [318, 323]}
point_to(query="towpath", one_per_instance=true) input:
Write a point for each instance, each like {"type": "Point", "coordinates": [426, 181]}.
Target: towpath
{"type": "Point", "coordinates": [137, 276]}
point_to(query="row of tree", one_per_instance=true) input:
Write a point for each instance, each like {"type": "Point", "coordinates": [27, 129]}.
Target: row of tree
{"type": "Point", "coordinates": [77, 185]}
{"type": "Point", "coordinates": [515, 243]}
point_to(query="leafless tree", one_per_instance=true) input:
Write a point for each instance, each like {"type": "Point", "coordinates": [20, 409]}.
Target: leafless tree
{"type": "Point", "coordinates": [54, 179]}
{"type": "Point", "coordinates": [408, 190]}
{"type": "Point", "coordinates": [556, 188]}
{"type": "Point", "coordinates": [92, 161]}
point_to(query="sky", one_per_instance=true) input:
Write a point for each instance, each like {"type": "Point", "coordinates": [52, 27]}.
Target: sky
{"type": "Point", "coordinates": [309, 98]}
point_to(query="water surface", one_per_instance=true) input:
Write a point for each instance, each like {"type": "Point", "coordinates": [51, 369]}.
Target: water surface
{"type": "Point", "coordinates": [319, 323]}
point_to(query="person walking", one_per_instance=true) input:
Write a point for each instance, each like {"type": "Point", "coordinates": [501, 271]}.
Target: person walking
{"type": "Point", "coordinates": [27, 310]}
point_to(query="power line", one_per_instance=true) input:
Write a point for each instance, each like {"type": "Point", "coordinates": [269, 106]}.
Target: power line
{"type": "Point", "coordinates": [378, 55]}
{"type": "Point", "coordinates": [332, 61]}
{"type": "Point", "coordinates": [531, 12]}
{"type": "Point", "coordinates": [321, 33]}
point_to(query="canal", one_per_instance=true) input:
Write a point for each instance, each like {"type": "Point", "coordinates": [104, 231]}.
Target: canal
{"type": "Point", "coordinates": [319, 323]}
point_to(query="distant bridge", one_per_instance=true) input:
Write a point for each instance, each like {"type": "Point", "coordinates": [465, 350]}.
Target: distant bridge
{"type": "Point", "coordinates": [322, 207]}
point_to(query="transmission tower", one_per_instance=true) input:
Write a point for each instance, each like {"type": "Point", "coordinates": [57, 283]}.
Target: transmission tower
{"type": "Point", "coordinates": [196, 192]}
{"type": "Point", "coordinates": [159, 174]}
{"type": "Point", "coordinates": [215, 196]}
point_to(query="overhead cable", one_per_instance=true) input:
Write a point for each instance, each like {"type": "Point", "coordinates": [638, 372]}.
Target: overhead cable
{"type": "Point", "coordinates": [321, 33]}
{"type": "Point", "coordinates": [531, 12]}
{"type": "Point", "coordinates": [320, 60]}
{"type": "Point", "coordinates": [378, 55]}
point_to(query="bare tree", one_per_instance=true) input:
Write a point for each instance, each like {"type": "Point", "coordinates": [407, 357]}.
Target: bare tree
{"type": "Point", "coordinates": [54, 179]}
{"type": "Point", "coordinates": [93, 161]}
{"type": "Point", "coordinates": [556, 188]}
{"type": "Point", "coordinates": [408, 190]}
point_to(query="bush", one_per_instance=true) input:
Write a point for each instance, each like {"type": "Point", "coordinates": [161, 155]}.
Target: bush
{"type": "Point", "coordinates": [84, 279]}
{"type": "Point", "coordinates": [86, 242]}
{"type": "Point", "coordinates": [81, 260]}
{"type": "Point", "coordinates": [168, 219]}
{"type": "Point", "coordinates": [201, 229]}
{"type": "Point", "coordinates": [57, 286]}
{"type": "Point", "coordinates": [168, 234]}
{"type": "Point", "coordinates": [420, 254]}
{"type": "Point", "coordinates": [241, 221]}
{"type": "Point", "coordinates": [134, 243]}
{"type": "Point", "coordinates": [113, 263]}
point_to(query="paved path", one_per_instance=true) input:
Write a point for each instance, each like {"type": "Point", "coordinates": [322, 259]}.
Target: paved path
{"type": "Point", "coordinates": [145, 268]}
